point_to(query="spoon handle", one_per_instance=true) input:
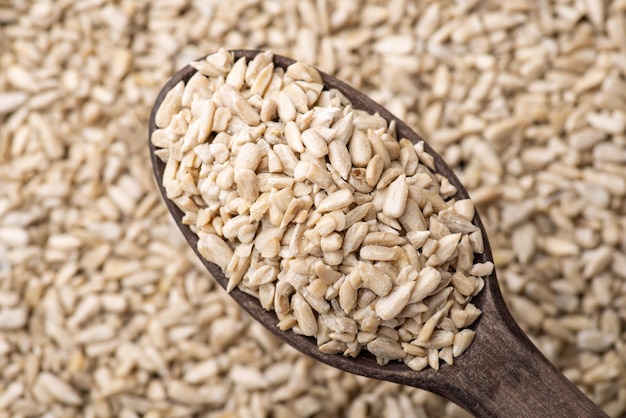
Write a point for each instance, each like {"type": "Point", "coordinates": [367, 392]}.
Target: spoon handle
{"type": "Point", "coordinates": [513, 378]}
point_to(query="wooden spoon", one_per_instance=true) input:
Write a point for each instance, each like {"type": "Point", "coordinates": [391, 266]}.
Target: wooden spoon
{"type": "Point", "coordinates": [502, 374]}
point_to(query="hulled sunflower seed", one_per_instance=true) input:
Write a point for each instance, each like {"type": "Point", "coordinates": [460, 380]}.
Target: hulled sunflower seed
{"type": "Point", "coordinates": [389, 306]}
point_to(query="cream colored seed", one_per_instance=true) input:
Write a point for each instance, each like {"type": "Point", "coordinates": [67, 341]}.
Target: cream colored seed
{"type": "Point", "coordinates": [206, 120]}
{"type": "Point", "coordinates": [295, 208]}
{"type": "Point", "coordinates": [378, 147]}
{"type": "Point", "coordinates": [344, 128]}
{"type": "Point", "coordinates": [292, 134]}
{"type": "Point", "coordinates": [418, 363]}
{"type": "Point", "coordinates": [302, 71]}
{"type": "Point", "coordinates": [360, 149]}
{"type": "Point", "coordinates": [314, 143]}
{"type": "Point", "coordinates": [262, 80]}
{"type": "Point", "coordinates": [388, 176]}
{"type": "Point", "coordinates": [347, 296]}
{"type": "Point", "coordinates": [357, 213]}
{"type": "Point", "coordinates": [288, 159]}
{"type": "Point", "coordinates": [396, 197]}
{"type": "Point", "coordinates": [274, 165]}
{"type": "Point", "coordinates": [391, 305]}
{"type": "Point", "coordinates": [237, 73]}
{"type": "Point", "coordinates": [333, 258]}
{"type": "Point", "coordinates": [465, 285]}
{"type": "Point", "coordinates": [305, 170]}
{"type": "Point", "coordinates": [304, 315]}
{"type": "Point", "coordinates": [233, 225]}
{"type": "Point", "coordinates": [418, 238]}
{"type": "Point", "coordinates": [268, 110]}
{"type": "Point", "coordinates": [462, 340]}
{"type": "Point", "coordinates": [248, 157]}
{"type": "Point", "coordinates": [383, 238]}
{"type": "Point", "coordinates": [374, 170]}
{"type": "Point", "coordinates": [427, 281]}
{"type": "Point", "coordinates": [465, 208]}
{"type": "Point", "coordinates": [271, 248]}
{"type": "Point", "coordinates": [482, 269]}
{"type": "Point", "coordinates": [220, 119]}
{"type": "Point", "coordinates": [282, 198]}
{"type": "Point", "coordinates": [214, 249]}
{"type": "Point", "coordinates": [326, 273]}
{"type": "Point", "coordinates": [58, 389]}
{"type": "Point", "coordinates": [297, 97]}
{"type": "Point", "coordinates": [337, 200]}
{"type": "Point", "coordinates": [330, 222]}
{"type": "Point", "coordinates": [319, 304]}
{"type": "Point", "coordinates": [476, 241]}
{"type": "Point", "coordinates": [446, 246]}
{"type": "Point", "coordinates": [286, 109]}
{"type": "Point", "coordinates": [354, 237]}
{"type": "Point", "coordinates": [317, 288]}
{"type": "Point", "coordinates": [408, 157]}
{"type": "Point", "coordinates": [378, 253]}
{"type": "Point", "coordinates": [245, 110]}
{"type": "Point", "coordinates": [247, 184]}
{"type": "Point", "coordinates": [339, 158]}
{"type": "Point", "coordinates": [235, 270]}
{"type": "Point", "coordinates": [170, 105]}
{"type": "Point", "coordinates": [427, 330]}
{"type": "Point", "coordinates": [375, 279]}
{"type": "Point", "coordinates": [331, 242]}
{"type": "Point", "coordinates": [385, 347]}
{"type": "Point", "coordinates": [456, 223]}
{"type": "Point", "coordinates": [263, 275]}
{"type": "Point", "coordinates": [439, 339]}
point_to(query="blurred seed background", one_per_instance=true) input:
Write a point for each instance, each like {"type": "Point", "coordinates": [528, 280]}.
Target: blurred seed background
{"type": "Point", "coordinates": [105, 312]}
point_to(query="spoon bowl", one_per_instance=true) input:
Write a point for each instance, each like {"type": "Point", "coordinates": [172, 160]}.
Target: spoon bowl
{"type": "Point", "coordinates": [501, 374]}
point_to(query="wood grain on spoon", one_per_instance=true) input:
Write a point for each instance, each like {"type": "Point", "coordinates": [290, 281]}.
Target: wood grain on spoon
{"type": "Point", "coordinates": [502, 374]}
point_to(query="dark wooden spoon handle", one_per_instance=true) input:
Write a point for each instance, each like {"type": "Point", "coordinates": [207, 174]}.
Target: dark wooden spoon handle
{"type": "Point", "coordinates": [510, 377]}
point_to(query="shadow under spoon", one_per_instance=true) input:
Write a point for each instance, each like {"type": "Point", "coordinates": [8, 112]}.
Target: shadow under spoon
{"type": "Point", "coordinates": [502, 374]}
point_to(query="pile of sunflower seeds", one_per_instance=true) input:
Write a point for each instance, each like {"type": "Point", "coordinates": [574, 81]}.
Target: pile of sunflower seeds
{"type": "Point", "coordinates": [319, 211]}
{"type": "Point", "coordinates": [105, 312]}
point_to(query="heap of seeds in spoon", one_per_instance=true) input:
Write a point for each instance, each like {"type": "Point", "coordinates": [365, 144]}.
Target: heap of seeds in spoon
{"type": "Point", "coordinates": [318, 210]}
